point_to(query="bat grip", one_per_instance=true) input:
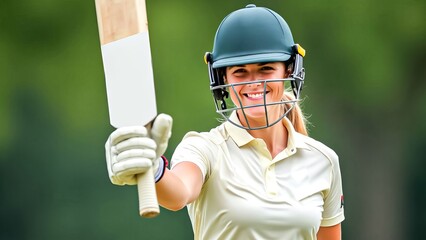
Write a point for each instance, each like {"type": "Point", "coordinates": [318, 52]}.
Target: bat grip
{"type": "Point", "coordinates": [148, 203]}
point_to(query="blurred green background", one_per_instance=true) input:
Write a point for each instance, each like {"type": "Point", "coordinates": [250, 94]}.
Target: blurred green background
{"type": "Point", "coordinates": [364, 94]}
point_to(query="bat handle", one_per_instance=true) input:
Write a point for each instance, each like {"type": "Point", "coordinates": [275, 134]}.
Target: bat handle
{"type": "Point", "coordinates": [148, 203]}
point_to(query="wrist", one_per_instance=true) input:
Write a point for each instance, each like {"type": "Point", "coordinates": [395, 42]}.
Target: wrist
{"type": "Point", "coordinates": [163, 163]}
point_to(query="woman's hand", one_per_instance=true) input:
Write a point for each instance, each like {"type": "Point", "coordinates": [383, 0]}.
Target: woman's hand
{"type": "Point", "coordinates": [134, 150]}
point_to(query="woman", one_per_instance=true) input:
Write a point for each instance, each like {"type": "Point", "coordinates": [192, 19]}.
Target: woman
{"type": "Point", "coordinates": [257, 175]}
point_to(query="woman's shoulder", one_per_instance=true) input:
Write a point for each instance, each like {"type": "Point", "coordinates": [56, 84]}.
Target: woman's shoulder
{"type": "Point", "coordinates": [201, 148]}
{"type": "Point", "coordinates": [215, 136]}
{"type": "Point", "coordinates": [319, 146]}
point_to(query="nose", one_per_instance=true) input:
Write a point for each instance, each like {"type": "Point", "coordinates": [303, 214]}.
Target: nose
{"type": "Point", "coordinates": [254, 84]}
{"type": "Point", "coordinates": [254, 81]}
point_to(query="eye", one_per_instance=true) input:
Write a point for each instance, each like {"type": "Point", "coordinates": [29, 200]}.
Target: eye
{"type": "Point", "coordinates": [239, 72]}
{"type": "Point", "coordinates": [267, 68]}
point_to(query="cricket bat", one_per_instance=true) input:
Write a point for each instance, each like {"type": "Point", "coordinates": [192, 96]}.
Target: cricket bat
{"type": "Point", "coordinates": [126, 55]}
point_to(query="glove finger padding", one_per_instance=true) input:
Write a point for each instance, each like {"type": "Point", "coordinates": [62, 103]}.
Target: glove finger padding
{"type": "Point", "coordinates": [161, 132]}
{"type": "Point", "coordinates": [128, 170]}
{"type": "Point", "coordinates": [135, 143]}
{"type": "Point", "coordinates": [131, 163]}
{"type": "Point", "coordinates": [129, 152]}
{"type": "Point", "coordinates": [135, 154]}
{"type": "Point", "coordinates": [110, 159]}
{"type": "Point", "coordinates": [124, 133]}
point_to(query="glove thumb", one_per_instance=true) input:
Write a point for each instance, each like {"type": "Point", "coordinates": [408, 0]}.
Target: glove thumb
{"type": "Point", "coordinates": [161, 131]}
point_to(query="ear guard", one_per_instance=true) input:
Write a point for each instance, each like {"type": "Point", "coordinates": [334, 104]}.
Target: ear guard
{"type": "Point", "coordinates": [216, 79]}
{"type": "Point", "coordinates": [298, 71]}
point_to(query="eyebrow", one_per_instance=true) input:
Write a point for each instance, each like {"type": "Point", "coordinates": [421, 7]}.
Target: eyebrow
{"type": "Point", "coordinates": [259, 64]}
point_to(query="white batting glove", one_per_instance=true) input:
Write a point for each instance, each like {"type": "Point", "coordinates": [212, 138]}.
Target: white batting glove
{"type": "Point", "coordinates": [134, 150]}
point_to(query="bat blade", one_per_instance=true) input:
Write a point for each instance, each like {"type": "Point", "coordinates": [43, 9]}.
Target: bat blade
{"type": "Point", "coordinates": [129, 81]}
{"type": "Point", "coordinates": [126, 55]}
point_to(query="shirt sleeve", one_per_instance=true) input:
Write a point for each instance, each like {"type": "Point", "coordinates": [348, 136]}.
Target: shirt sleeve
{"type": "Point", "coordinates": [333, 199]}
{"type": "Point", "coordinates": [194, 148]}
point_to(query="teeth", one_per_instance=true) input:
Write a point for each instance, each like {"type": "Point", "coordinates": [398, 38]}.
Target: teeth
{"type": "Point", "coordinates": [255, 95]}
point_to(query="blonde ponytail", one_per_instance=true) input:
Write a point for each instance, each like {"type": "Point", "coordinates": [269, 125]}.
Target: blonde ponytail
{"type": "Point", "coordinates": [296, 115]}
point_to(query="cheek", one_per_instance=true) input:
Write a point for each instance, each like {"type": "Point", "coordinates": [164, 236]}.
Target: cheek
{"type": "Point", "coordinates": [278, 89]}
{"type": "Point", "coordinates": [234, 92]}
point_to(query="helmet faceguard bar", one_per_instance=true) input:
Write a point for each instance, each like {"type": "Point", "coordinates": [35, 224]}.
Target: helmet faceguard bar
{"type": "Point", "coordinates": [226, 112]}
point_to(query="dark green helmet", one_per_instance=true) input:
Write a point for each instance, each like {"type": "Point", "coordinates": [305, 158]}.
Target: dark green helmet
{"type": "Point", "coordinates": [251, 35]}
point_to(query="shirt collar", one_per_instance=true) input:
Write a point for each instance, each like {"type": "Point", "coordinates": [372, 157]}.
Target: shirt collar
{"type": "Point", "coordinates": [241, 136]}
{"type": "Point", "coordinates": [295, 139]}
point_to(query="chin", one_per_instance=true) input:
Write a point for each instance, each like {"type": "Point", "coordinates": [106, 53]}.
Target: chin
{"type": "Point", "coordinates": [256, 115]}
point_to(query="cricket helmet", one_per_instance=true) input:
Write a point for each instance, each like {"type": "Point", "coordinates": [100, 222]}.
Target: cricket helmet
{"type": "Point", "coordinates": [253, 35]}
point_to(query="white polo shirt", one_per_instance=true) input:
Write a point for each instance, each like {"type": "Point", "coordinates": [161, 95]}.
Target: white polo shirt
{"type": "Point", "coordinates": [247, 194]}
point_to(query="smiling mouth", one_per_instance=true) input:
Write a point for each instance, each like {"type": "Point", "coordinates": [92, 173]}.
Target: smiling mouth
{"type": "Point", "coordinates": [255, 96]}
